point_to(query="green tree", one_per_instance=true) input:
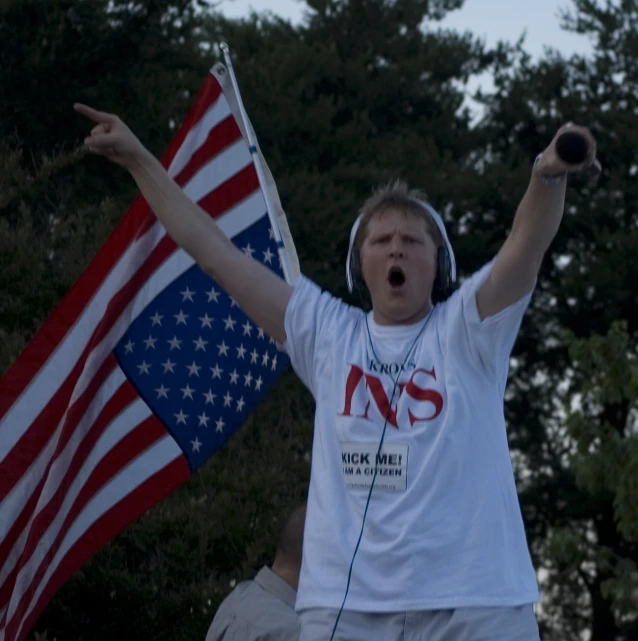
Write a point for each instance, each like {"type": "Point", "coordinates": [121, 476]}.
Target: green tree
{"type": "Point", "coordinates": [586, 284]}
{"type": "Point", "coordinates": [335, 115]}
{"type": "Point", "coordinates": [142, 59]}
{"type": "Point", "coordinates": [38, 263]}
{"type": "Point", "coordinates": [601, 406]}
{"type": "Point", "coordinates": [363, 92]}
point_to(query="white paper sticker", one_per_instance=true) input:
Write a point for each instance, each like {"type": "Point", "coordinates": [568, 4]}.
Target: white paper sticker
{"type": "Point", "coordinates": [360, 461]}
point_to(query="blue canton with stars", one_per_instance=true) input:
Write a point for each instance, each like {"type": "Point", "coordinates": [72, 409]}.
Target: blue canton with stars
{"type": "Point", "coordinates": [197, 361]}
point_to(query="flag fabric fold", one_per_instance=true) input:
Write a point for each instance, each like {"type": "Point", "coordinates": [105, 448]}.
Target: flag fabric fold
{"type": "Point", "coordinates": [141, 374]}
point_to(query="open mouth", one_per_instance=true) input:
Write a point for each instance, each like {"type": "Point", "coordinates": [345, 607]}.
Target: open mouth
{"type": "Point", "coordinates": [396, 277]}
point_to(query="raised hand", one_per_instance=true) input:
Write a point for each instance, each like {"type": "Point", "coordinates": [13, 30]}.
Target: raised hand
{"type": "Point", "coordinates": [111, 137]}
{"type": "Point", "coordinates": [550, 163]}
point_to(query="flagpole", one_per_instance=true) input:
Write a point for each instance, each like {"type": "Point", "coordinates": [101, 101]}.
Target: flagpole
{"type": "Point", "coordinates": [252, 145]}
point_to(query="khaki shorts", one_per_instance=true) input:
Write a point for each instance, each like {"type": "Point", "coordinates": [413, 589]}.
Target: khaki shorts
{"type": "Point", "coordinates": [462, 624]}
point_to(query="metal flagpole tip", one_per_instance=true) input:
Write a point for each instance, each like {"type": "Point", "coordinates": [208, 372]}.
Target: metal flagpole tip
{"type": "Point", "coordinates": [224, 47]}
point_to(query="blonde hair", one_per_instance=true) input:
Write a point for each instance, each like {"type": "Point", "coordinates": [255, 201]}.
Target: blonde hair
{"type": "Point", "coordinates": [396, 195]}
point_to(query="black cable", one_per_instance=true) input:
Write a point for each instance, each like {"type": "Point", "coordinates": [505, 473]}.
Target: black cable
{"type": "Point", "coordinates": [385, 424]}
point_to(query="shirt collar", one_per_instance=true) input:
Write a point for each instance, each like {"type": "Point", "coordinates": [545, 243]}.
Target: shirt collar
{"type": "Point", "coordinates": [273, 583]}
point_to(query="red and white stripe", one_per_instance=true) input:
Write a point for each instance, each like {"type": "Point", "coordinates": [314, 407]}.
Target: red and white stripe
{"type": "Point", "coordinates": [81, 455]}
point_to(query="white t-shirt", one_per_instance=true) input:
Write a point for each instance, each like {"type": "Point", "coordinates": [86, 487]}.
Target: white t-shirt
{"type": "Point", "coordinates": [444, 527]}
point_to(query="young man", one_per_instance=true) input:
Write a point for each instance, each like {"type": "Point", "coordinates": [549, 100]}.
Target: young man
{"type": "Point", "coordinates": [409, 428]}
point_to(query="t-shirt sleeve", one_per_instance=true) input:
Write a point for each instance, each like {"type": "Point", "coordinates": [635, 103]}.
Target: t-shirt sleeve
{"type": "Point", "coordinates": [490, 340]}
{"type": "Point", "coordinates": [311, 319]}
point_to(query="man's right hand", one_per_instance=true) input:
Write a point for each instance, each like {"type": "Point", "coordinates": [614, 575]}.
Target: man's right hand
{"type": "Point", "coordinates": [261, 293]}
{"type": "Point", "coordinates": [111, 138]}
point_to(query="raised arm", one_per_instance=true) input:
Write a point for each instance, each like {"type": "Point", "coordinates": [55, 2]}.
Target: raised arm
{"type": "Point", "coordinates": [261, 293]}
{"type": "Point", "coordinates": [535, 224]}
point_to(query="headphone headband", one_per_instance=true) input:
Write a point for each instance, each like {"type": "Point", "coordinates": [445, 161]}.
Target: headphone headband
{"type": "Point", "coordinates": [353, 235]}
{"type": "Point", "coordinates": [436, 217]}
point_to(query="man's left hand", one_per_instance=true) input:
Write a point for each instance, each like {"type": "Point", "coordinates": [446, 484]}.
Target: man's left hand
{"type": "Point", "coordinates": [550, 164]}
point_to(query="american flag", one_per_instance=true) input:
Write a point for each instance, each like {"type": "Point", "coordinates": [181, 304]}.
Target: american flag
{"type": "Point", "coordinates": [140, 375]}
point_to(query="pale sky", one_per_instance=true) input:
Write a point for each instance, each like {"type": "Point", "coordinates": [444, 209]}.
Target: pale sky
{"type": "Point", "coordinates": [491, 19]}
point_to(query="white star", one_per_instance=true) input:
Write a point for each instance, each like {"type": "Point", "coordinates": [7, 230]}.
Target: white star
{"type": "Point", "coordinates": [212, 294]}
{"type": "Point", "coordinates": [181, 417]}
{"type": "Point", "coordinates": [175, 343]}
{"type": "Point", "coordinates": [260, 333]}
{"type": "Point", "coordinates": [144, 367]}
{"type": "Point", "coordinates": [240, 404]}
{"type": "Point", "coordinates": [271, 340]}
{"type": "Point", "coordinates": [156, 319]}
{"type": "Point", "coordinates": [223, 349]}
{"type": "Point", "coordinates": [193, 369]}
{"type": "Point", "coordinates": [268, 255]}
{"type": "Point", "coordinates": [200, 344]}
{"type": "Point", "coordinates": [241, 350]}
{"type": "Point", "coordinates": [254, 356]}
{"type": "Point", "coordinates": [247, 328]}
{"type": "Point", "coordinates": [248, 379]}
{"type": "Point", "coordinates": [248, 250]}
{"type": "Point", "coordinates": [168, 366]}
{"type": "Point", "coordinates": [264, 359]}
{"type": "Point", "coordinates": [271, 233]}
{"type": "Point", "coordinates": [187, 391]}
{"type": "Point", "coordinates": [187, 295]}
{"type": "Point", "coordinates": [206, 321]}
{"type": "Point", "coordinates": [219, 425]}
{"type": "Point", "coordinates": [162, 392]}
{"type": "Point", "coordinates": [258, 384]}
{"type": "Point", "coordinates": [196, 445]}
{"type": "Point", "coordinates": [181, 317]}
{"type": "Point", "coordinates": [233, 302]}
{"type": "Point", "coordinates": [203, 419]}
{"type": "Point", "coordinates": [217, 372]}
{"type": "Point", "coordinates": [210, 397]}
{"type": "Point", "coordinates": [233, 377]}
{"type": "Point", "coordinates": [273, 363]}
{"type": "Point", "coordinates": [128, 348]}
{"type": "Point", "coordinates": [228, 399]}
{"type": "Point", "coordinates": [229, 323]}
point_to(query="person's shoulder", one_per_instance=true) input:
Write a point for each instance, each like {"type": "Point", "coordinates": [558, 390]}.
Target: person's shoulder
{"type": "Point", "coordinates": [307, 287]}
{"type": "Point", "coordinates": [237, 596]}
{"type": "Point", "coordinates": [473, 280]}
{"type": "Point", "coordinates": [228, 617]}
{"type": "Point", "coordinates": [253, 602]}
{"type": "Point", "coordinates": [255, 614]}
{"type": "Point", "coordinates": [309, 296]}
{"type": "Point", "coordinates": [464, 292]}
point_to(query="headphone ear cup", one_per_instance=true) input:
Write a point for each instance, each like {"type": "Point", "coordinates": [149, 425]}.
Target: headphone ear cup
{"type": "Point", "coordinates": [442, 282]}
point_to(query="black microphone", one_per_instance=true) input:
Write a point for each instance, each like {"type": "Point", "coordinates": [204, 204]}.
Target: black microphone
{"type": "Point", "coordinates": [572, 148]}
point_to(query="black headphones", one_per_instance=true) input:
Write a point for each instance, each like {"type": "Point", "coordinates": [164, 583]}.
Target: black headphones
{"type": "Point", "coordinates": [444, 281]}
